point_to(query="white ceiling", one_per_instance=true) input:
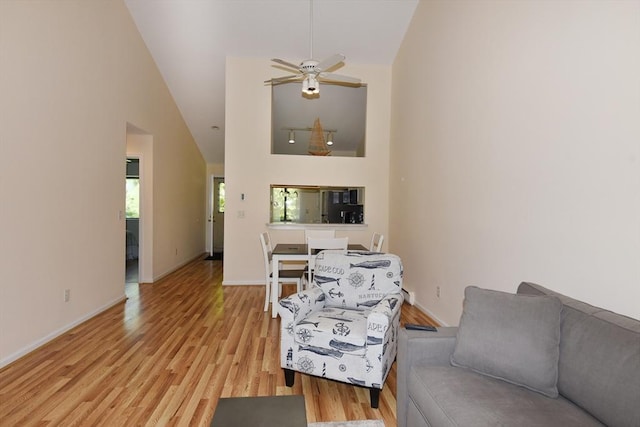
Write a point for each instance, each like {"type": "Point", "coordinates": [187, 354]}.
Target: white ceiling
{"type": "Point", "coordinates": [189, 40]}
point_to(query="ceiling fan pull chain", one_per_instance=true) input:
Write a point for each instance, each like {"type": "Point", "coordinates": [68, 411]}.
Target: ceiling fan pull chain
{"type": "Point", "coordinates": [310, 29]}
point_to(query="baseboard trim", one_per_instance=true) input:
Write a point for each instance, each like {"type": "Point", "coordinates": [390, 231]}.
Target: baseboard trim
{"type": "Point", "coordinates": [55, 334]}
{"type": "Point", "coordinates": [242, 282]}
{"type": "Point", "coordinates": [409, 296]}
{"type": "Point", "coordinates": [431, 314]}
{"type": "Point", "coordinates": [178, 267]}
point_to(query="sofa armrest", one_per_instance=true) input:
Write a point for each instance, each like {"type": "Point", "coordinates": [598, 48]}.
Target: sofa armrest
{"type": "Point", "coordinates": [298, 306]}
{"type": "Point", "coordinates": [383, 323]}
{"type": "Point", "coordinates": [382, 314]}
{"type": "Point", "coordinates": [420, 348]}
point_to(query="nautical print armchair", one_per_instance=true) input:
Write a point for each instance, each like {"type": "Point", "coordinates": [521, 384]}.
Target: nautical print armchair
{"type": "Point", "coordinates": [345, 325]}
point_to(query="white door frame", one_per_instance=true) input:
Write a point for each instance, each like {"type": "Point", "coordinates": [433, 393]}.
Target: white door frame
{"type": "Point", "coordinates": [211, 209]}
{"type": "Point", "coordinates": [139, 144]}
{"type": "Point", "coordinates": [141, 235]}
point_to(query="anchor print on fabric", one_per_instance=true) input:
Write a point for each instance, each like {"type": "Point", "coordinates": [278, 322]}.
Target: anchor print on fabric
{"type": "Point", "coordinates": [369, 366]}
{"type": "Point", "coordinates": [341, 329]}
{"type": "Point", "coordinates": [304, 297]}
{"type": "Point", "coordinates": [333, 294]}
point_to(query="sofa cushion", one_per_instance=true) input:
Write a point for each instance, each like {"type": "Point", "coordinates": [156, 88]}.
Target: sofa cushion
{"type": "Point", "coordinates": [511, 337]}
{"type": "Point", "coordinates": [460, 397]}
{"type": "Point", "coordinates": [359, 279]}
{"type": "Point", "coordinates": [334, 328]}
{"type": "Point", "coordinates": [599, 365]}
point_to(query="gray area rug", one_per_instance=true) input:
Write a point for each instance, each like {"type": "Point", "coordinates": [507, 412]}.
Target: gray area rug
{"type": "Point", "coordinates": [363, 423]}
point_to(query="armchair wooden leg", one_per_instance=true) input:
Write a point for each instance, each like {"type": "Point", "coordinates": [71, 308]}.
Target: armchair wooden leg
{"type": "Point", "coordinates": [289, 377]}
{"type": "Point", "coordinates": [374, 393]}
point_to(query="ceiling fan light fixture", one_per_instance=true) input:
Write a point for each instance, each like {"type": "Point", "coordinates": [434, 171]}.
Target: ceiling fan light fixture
{"type": "Point", "coordinates": [310, 85]}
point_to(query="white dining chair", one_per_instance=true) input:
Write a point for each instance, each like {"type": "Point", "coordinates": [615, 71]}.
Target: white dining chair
{"type": "Point", "coordinates": [319, 234]}
{"type": "Point", "coordinates": [376, 242]}
{"type": "Point", "coordinates": [316, 245]}
{"type": "Point", "coordinates": [284, 275]}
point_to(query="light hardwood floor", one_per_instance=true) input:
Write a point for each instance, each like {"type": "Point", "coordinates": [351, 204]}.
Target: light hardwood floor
{"type": "Point", "coordinates": [165, 357]}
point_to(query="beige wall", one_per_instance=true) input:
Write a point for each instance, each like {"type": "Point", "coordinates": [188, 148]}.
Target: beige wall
{"type": "Point", "coordinates": [516, 150]}
{"type": "Point", "coordinates": [250, 168]}
{"type": "Point", "coordinates": [74, 73]}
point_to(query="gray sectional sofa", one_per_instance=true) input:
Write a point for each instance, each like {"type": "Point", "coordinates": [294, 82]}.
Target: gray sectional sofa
{"type": "Point", "coordinates": [535, 358]}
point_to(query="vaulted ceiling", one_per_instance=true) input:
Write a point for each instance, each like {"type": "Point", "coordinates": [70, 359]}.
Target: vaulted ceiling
{"type": "Point", "coordinates": [190, 39]}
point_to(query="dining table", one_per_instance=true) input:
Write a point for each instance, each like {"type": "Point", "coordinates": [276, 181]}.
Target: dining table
{"type": "Point", "coordinates": [284, 252]}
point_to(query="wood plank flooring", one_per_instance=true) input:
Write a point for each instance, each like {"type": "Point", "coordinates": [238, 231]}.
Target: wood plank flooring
{"type": "Point", "coordinates": [165, 357]}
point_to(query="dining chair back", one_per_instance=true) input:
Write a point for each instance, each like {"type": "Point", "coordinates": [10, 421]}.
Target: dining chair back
{"type": "Point", "coordinates": [316, 245]}
{"type": "Point", "coordinates": [284, 275]}
{"type": "Point", "coordinates": [319, 234]}
{"type": "Point", "coordinates": [376, 242]}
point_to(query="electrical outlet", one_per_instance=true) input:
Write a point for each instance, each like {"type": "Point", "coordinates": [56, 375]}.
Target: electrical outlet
{"type": "Point", "coordinates": [67, 295]}
{"type": "Point", "coordinates": [438, 291]}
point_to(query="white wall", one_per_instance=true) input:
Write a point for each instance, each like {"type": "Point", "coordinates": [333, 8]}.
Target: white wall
{"type": "Point", "coordinates": [74, 73]}
{"type": "Point", "coordinates": [250, 168]}
{"type": "Point", "coordinates": [516, 150]}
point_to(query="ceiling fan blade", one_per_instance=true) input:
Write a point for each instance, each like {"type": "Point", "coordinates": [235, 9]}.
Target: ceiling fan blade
{"type": "Point", "coordinates": [283, 79]}
{"type": "Point", "coordinates": [338, 78]}
{"type": "Point", "coordinates": [286, 64]}
{"type": "Point", "coordinates": [330, 62]}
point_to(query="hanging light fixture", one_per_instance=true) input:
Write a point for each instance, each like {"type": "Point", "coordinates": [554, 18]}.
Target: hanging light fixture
{"type": "Point", "coordinates": [292, 137]}
{"type": "Point", "coordinates": [330, 138]}
{"type": "Point", "coordinates": [310, 85]}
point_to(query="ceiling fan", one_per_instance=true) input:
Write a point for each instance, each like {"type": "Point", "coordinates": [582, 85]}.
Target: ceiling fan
{"type": "Point", "coordinates": [310, 71]}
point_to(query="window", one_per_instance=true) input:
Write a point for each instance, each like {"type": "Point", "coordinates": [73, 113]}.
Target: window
{"type": "Point", "coordinates": [285, 204]}
{"type": "Point", "coordinates": [221, 197]}
{"type": "Point", "coordinates": [303, 204]}
{"type": "Point", "coordinates": [132, 207]}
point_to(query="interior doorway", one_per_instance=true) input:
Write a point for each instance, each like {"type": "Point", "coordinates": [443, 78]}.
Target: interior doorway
{"type": "Point", "coordinates": [139, 146]}
{"type": "Point", "coordinates": [216, 217]}
{"type": "Point", "coordinates": [132, 218]}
